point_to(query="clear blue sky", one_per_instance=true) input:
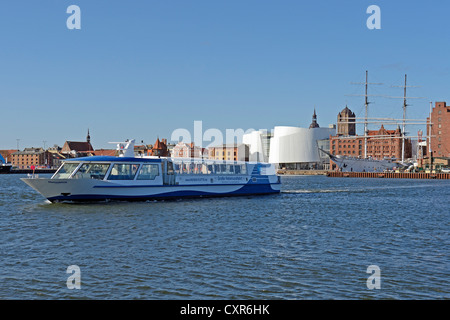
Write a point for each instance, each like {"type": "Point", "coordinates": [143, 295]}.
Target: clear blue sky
{"type": "Point", "coordinates": [141, 69]}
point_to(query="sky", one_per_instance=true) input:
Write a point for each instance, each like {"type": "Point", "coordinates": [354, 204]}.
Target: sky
{"type": "Point", "coordinates": [142, 69]}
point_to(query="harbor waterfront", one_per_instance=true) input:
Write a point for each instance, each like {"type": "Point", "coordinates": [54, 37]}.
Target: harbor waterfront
{"type": "Point", "coordinates": [315, 240]}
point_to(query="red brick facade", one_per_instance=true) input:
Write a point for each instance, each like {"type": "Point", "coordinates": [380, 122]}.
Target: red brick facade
{"type": "Point", "coordinates": [440, 130]}
{"type": "Point", "coordinates": [381, 143]}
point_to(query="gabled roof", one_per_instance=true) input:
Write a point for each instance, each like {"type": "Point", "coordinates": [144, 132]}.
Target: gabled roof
{"type": "Point", "coordinates": [383, 131]}
{"type": "Point", "coordinates": [77, 146]}
{"type": "Point", "coordinates": [157, 144]}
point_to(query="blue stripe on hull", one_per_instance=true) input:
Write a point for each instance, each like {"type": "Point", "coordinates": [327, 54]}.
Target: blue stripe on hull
{"type": "Point", "coordinates": [249, 189]}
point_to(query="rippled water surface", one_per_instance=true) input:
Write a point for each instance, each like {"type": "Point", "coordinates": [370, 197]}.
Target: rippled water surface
{"type": "Point", "coordinates": [313, 241]}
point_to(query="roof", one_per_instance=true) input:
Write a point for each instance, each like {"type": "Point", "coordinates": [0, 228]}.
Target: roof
{"type": "Point", "coordinates": [383, 131]}
{"type": "Point", "coordinates": [78, 146]}
{"type": "Point", "coordinates": [104, 152]}
{"type": "Point", "coordinates": [30, 151]}
{"type": "Point", "coordinates": [347, 111]}
{"type": "Point", "coordinates": [114, 159]}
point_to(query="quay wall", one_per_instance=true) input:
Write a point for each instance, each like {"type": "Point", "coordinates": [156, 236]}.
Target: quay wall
{"type": "Point", "coordinates": [390, 175]}
{"type": "Point", "coordinates": [302, 172]}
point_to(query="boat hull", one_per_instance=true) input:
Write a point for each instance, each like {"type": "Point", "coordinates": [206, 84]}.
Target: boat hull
{"type": "Point", "coordinates": [363, 165]}
{"type": "Point", "coordinates": [5, 168]}
{"type": "Point", "coordinates": [73, 190]}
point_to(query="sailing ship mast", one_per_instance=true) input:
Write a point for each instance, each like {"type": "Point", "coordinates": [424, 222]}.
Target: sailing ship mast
{"type": "Point", "coordinates": [404, 115]}
{"type": "Point", "coordinates": [384, 120]}
{"type": "Point", "coordinates": [366, 130]}
{"type": "Point", "coordinates": [366, 114]}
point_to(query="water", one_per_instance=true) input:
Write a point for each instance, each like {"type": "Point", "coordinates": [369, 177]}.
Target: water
{"type": "Point", "coordinates": [313, 241]}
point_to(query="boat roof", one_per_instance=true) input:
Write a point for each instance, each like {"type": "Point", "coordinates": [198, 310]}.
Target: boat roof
{"type": "Point", "coordinates": [157, 160]}
{"type": "Point", "coordinates": [113, 159]}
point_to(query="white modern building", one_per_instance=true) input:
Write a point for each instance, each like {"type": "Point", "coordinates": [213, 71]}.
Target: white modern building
{"type": "Point", "coordinates": [298, 148]}
{"type": "Point", "coordinates": [259, 145]}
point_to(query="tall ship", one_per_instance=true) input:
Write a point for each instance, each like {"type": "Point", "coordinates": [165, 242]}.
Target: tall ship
{"type": "Point", "coordinates": [4, 166]}
{"type": "Point", "coordinates": [365, 163]}
{"type": "Point", "coordinates": [353, 164]}
{"type": "Point", "coordinates": [130, 178]}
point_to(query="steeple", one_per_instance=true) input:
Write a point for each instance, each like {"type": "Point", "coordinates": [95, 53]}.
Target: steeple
{"type": "Point", "coordinates": [88, 138]}
{"type": "Point", "coordinates": [314, 123]}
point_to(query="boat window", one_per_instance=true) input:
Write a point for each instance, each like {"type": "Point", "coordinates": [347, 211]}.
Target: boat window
{"type": "Point", "coordinates": [123, 171]}
{"type": "Point", "coordinates": [65, 170]}
{"type": "Point", "coordinates": [92, 171]}
{"type": "Point", "coordinates": [170, 169]}
{"type": "Point", "coordinates": [148, 172]}
{"type": "Point", "coordinates": [205, 169]}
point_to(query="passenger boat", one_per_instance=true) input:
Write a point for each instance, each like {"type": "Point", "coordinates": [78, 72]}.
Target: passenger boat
{"type": "Point", "coordinates": [5, 167]}
{"type": "Point", "coordinates": [130, 178]}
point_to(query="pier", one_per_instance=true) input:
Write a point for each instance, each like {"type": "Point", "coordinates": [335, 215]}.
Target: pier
{"type": "Point", "coordinates": [389, 175]}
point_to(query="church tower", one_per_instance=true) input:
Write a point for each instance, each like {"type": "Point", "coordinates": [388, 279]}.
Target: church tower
{"type": "Point", "coordinates": [314, 123]}
{"type": "Point", "coordinates": [346, 123]}
{"type": "Point", "coordinates": [88, 138]}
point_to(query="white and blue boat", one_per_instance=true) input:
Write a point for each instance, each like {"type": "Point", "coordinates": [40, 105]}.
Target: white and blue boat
{"type": "Point", "coordinates": [130, 178]}
{"type": "Point", "coordinates": [5, 167]}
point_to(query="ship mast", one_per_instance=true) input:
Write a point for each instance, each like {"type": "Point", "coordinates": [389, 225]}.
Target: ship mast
{"type": "Point", "coordinates": [404, 114]}
{"type": "Point", "coordinates": [366, 115]}
{"type": "Point", "coordinates": [404, 125]}
{"type": "Point", "coordinates": [366, 131]}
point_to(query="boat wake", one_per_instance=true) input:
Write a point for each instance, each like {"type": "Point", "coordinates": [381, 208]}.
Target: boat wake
{"type": "Point", "coordinates": [319, 191]}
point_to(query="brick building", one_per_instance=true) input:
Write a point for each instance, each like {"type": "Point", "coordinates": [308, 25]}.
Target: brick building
{"type": "Point", "coordinates": [440, 130]}
{"type": "Point", "coordinates": [230, 152]}
{"type": "Point", "coordinates": [37, 157]}
{"type": "Point", "coordinates": [381, 143]}
{"type": "Point", "coordinates": [78, 148]}
{"type": "Point", "coordinates": [159, 149]}
{"type": "Point", "coordinates": [188, 150]}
